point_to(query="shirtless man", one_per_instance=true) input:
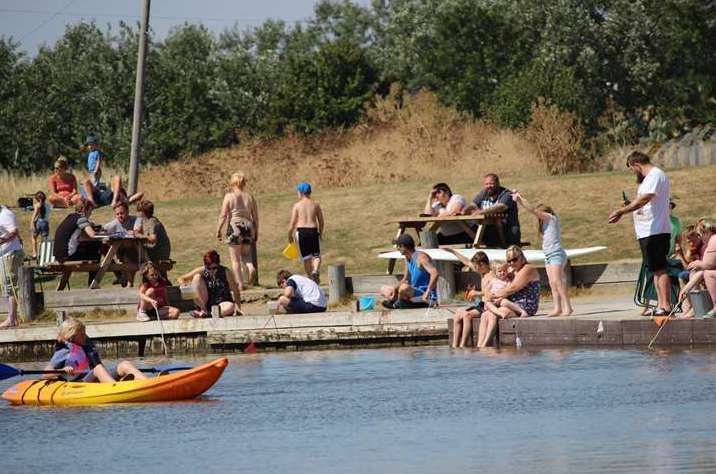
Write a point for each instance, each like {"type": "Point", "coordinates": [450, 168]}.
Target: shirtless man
{"type": "Point", "coordinates": [307, 223]}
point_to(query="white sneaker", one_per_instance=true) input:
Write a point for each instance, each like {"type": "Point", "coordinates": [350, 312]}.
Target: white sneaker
{"type": "Point", "coordinates": [143, 316]}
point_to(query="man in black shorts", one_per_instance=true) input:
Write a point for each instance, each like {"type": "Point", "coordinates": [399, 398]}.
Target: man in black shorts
{"type": "Point", "coordinates": [652, 223]}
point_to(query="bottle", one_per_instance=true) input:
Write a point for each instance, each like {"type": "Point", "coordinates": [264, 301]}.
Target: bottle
{"type": "Point", "coordinates": [625, 199]}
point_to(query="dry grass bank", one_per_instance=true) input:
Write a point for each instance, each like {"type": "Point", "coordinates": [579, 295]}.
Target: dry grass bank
{"type": "Point", "coordinates": [420, 140]}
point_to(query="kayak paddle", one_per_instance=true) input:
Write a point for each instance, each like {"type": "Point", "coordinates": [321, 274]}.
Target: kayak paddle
{"type": "Point", "coordinates": [7, 371]}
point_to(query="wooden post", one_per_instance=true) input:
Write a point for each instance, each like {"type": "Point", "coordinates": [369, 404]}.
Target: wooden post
{"type": "Point", "coordinates": [134, 155]}
{"type": "Point", "coordinates": [26, 293]}
{"type": "Point", "coordinates": [336, 283]}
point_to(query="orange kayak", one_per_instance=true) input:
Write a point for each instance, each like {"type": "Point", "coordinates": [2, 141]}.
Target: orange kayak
{"type": "Point", "coordinates": [182, 385]}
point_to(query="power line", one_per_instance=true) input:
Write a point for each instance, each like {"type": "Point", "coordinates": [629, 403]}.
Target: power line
{"type": "Point", "coordinates": [154, 17]}
{"type": "Point", "coordinates": [54, 15]}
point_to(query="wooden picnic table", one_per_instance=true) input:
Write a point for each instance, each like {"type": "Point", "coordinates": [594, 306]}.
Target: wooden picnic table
{"type": "Point", "coordinates": [482, 220]}
{"type": "Point", "coordinates": [477, 235]}
{"type": "Point", "coordinates": [108, 262]}
{"type": "Point", "coordinates": [115, 243]}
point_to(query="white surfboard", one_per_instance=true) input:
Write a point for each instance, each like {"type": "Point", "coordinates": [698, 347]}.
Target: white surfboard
{"type": "Point", "coordinates": [533, 256]}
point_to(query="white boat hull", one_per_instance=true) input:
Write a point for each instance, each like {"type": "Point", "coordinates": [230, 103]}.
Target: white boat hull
{"type": "Point", "coordinates": [533, 256]}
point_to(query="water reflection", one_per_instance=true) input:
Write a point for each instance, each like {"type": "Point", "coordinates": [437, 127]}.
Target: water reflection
{"type": "Point", "coordinates": [425, 409]}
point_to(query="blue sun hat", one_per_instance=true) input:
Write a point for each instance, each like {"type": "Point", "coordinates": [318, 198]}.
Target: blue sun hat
{"type": "Point", "coordinates": [303, 188]}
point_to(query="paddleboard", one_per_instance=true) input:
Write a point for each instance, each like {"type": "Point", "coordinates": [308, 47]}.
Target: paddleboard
{"type": "Point", "coordinates": [532, 256]}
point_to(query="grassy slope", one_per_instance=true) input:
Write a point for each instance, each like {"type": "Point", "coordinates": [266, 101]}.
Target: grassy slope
{"type": "Point", "coordinates": [356, 217]}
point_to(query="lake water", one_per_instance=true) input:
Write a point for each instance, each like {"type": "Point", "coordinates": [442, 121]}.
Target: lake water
{"type": "Point", "coordinates": [416, 410]}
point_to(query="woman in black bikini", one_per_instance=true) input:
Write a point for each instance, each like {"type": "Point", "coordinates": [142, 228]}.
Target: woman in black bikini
{"type": "Point", "coordinates": [215, 285]}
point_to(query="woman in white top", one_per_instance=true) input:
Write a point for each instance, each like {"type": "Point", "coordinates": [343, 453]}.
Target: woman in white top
{"type": "Point", "coordinates": [555, 258]}
{"type": "Point", "coordinates": [239, 208]}
{"type": "Point", "coordinates": [442, 202]}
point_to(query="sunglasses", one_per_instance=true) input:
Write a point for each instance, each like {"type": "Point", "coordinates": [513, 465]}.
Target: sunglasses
{"type": "Point", "coordinates": [512, 260]}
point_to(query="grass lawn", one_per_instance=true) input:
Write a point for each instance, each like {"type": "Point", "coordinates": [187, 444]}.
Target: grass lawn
{"type": "Point", "coordinates": [356, 217]}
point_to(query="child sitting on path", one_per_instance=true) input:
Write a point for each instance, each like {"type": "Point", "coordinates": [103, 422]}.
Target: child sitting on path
{"type": "Point", "coordinates": [307, 223]}
{"type": "Point", "coordinates": [40, 220]}
{"type": "Point", "coordinates": [153, 302]}
{"type": "Point", "coordinates": [501, 281]}
{"type": "Point", "coordinates": [555, 258]}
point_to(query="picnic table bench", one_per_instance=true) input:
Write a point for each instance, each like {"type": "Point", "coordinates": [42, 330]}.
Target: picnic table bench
{"type": "Point", "coordinates": [108, 262]}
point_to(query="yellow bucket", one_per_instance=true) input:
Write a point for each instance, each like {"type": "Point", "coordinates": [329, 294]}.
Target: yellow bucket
{"type": "Point", "coordinates": [291, 251]}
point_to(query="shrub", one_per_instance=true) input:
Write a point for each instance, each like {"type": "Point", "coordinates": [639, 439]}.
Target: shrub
{"type": "Point", "coordinates": [557, 137]}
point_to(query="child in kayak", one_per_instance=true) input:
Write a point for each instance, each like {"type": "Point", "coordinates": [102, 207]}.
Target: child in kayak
{"type": "Point", "coordinates": [77, 357]}
{"type": "Point", "coordinates": [153, 295]}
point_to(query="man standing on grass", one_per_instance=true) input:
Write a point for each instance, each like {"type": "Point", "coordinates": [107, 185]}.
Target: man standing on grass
{"type": "Point", "coordinates": [652, 223]}
{"type": "Point", "coordinates": [11, 257]}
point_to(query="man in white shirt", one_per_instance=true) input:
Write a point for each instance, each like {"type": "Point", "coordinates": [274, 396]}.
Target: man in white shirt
{"type": "Point", "coordinates": [442, 202]}
{"type": "Point", "coordinates": [652, 223]}
{"type": "Point", "coordinates": [300, 294]}
{"type": "Point", "coordinates": [11, 257]}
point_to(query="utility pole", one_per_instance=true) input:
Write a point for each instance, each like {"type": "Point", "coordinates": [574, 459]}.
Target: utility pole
{"type": "Point", "coordinates": [134, 156]}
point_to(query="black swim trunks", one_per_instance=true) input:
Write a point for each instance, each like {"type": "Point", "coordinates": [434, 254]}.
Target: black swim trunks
{"type": "Point", "coordinates": [309, 244]}
{"type": "Point", "coordinates": [654, 250]}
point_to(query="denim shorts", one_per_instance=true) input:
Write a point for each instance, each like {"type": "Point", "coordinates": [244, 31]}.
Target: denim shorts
{"type": "Point", "coordinates": [558, 257]}
{"type": "Point", "coordinates": [41, 227]}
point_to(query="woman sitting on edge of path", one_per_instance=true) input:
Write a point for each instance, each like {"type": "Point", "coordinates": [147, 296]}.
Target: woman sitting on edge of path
{"type": "Point", "coordinates": [524, 290]}
{"type": "Point", "coordinates": [214, 285]}
{"type": "Point", "coordinates": [77, 357]}
{"type": "Point", "coordinates": [239, 208]}
{"type": "Point", "coordinates": [462, 320]}
{"type": "Point", "coordinates": [555, 258]}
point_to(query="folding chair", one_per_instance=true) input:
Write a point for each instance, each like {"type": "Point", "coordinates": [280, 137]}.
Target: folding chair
{"type": "Point", "coordinates": [645, 291]}
{"type": "Point", "coordinates": [45, 257]}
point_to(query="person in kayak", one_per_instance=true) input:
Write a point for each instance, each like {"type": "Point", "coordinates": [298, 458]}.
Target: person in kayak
{"type": "Point", "coordinates": [76, 355]}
